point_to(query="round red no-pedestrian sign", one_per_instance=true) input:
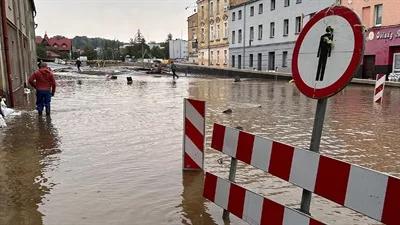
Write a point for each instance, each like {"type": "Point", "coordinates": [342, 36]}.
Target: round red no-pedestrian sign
{"type": "Point", "coordinates": [328, 52]}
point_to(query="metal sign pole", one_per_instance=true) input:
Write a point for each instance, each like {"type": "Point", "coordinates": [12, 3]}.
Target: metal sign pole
{"type": "Point", "coordinates": [314, 146]}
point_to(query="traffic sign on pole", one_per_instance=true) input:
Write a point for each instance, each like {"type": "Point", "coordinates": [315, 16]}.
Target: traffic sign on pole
{"type": "Point", "coordinates": [328, 52]}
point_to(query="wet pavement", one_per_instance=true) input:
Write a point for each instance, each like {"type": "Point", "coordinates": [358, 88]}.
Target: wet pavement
{"type": "Point", "coordinates": [111, 152]}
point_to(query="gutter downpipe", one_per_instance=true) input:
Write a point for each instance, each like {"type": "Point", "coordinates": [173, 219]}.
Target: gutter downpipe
{"type": "Point", "coordinates": [209, 32]}
{"type": "Point", "coordinates": [6, 51]}
{"type": "Point", "coordinates": [244, 37]}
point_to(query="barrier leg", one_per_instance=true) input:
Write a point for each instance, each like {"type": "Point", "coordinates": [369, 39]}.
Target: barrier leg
{"type": "Point", "coordinates": [314, 146]}
{"type": "Point", "coordinates": [232, 175]}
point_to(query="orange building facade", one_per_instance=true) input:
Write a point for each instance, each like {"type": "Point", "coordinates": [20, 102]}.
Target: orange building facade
{"type": "Point", "coordinates": [382, 23]}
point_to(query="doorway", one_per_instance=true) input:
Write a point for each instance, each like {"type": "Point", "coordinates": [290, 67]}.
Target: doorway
{"type": "Point", "coordinates": [271, 61]}
{"type": "Point", "coordinates": [368, 71]}
{"type": "Point", "coordinates": [259, 62]}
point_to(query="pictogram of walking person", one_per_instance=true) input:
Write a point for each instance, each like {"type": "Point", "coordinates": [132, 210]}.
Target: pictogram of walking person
{"type": "Point", "coordinates": [324, 52]}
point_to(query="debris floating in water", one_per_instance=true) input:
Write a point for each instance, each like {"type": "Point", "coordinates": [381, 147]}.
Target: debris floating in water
{"type": "Point", "coordinates": [228, 111]}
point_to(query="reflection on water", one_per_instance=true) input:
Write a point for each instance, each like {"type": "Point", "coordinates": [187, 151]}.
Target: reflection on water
{"type": "Point", "coordinates": [194, 210]}
{"type": "Point", "coordinates": [111, 154]}
{"type": "Point", "coordinates": [26, 152]}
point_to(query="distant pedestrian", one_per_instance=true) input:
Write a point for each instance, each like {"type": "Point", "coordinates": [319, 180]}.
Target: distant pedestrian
{"type": "Point", "coordinates": [78, 64]}
{"type": "Point", "coordinates": [173, 69]}
{"type": "Point", "coordinates": [43, 81]}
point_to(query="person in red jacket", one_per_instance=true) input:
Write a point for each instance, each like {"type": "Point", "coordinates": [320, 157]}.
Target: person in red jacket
{"type": "Point", "coordinates": [43, 81]}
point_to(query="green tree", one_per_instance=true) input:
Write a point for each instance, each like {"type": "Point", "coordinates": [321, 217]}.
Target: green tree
{"type": "Point", "coordinates": [41, 51]}
{"type": "Point", "coordinates": [157, 52]}
{"type": "Point", "coordinates": [90, 53]}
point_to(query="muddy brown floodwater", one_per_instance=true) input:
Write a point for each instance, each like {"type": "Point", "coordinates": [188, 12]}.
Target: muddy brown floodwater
{"type": "Point", "coordinates": [111, 153]}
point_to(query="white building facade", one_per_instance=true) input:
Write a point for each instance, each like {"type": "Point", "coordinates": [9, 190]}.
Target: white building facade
{"type": "Point", "coordinates": [178, 49]}
{"type": "Point", "coordinates": [263, 32]}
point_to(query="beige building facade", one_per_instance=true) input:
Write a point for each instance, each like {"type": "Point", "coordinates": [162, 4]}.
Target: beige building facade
{"type": "Point", "coordinates": [17, 44]}
{"type": "Point", "coordinates": [213, 31]}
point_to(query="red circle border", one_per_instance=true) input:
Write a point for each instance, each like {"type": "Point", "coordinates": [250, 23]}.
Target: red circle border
{"type": "Point", "coordinates": [341, 83]}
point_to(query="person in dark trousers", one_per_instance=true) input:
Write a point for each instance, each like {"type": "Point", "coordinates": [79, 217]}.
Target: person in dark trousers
{"type": "Point", "coordinates": [173, 69]}
{"type": "Point", "coordinates": [43, 81]}
{"type": "Point", "coordinates": [78, 65]}
{"type": "Point", "coordinates": [324, 52]}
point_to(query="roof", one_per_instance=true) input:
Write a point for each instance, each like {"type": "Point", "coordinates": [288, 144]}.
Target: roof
{"type": "Point", "coordinates": [58, 42]}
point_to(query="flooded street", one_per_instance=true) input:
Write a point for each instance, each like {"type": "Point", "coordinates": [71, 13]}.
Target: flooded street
{"type": "Point", "coordinates": [111, 152]}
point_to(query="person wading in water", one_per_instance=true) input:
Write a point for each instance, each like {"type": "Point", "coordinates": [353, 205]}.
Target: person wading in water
{"type": "Point", "coordinates": [43, 81]}
{"type": "Point", "coordinates": [78, 65]}
{"type": "Point", "coordinates": [173, 69]}
{"type": "Point", "coordinates": [324, 52]}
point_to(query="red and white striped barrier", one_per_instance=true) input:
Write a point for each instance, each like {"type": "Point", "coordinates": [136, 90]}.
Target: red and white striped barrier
{"type": "Point", "coordinates": [379, 87]}
{"type": "Point", "coordinates": [371, 193]}
{"type": "Point", "coordinates": [194, 129]}
{"type": "Point", "coordinates": [251, 207]}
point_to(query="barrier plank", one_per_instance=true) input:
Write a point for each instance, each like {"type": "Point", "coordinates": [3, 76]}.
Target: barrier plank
{"type": "Point", "coordinates": [193, 140]}
{"type": "Point", "coordinates": [251, 207]}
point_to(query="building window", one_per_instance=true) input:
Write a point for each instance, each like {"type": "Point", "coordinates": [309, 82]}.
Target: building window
{"type": "Point", "coordinates": [233, 37]}
{"type": "Point", "coordinates": [378, 14]}
{"type": "Point", "coordinates": [251, 33]}
{"type": "Point", "coordinates": [252, 11]}
{"type": "Point", "coordinates": [260, 31]}
{"type": "Point", "coordinates": [239, 61]}
{"type": "Point", "coordinates": [203, 35]}
{"type": "Point", "coordinates": [299, 24]}
{"type": "Point", "coordinates": [233, 16]}
{"type": "Point", "coordinates": [212, 8]}
{"type": "Point", "coordinates": [272, 5]}
{"type": "Point", "coordinates": [217, 7]}
{"type": "Point", "coordinates": [202, 12]}
{"type": "Point", "coordinates": [233, 61]}
{"type": "Point", "coordinates": [225, 56]}
{"type": "Point", "coordinates": [226, 30]}
{"type": "Point", "coordinates": [240, 15]}
{"type": "Point", "coordinates": [251, 61]}
{"type": "Point", "coordinates": [284, 58]}
{"type": "Point", "coordinates": [218, 32]}
{"type": "Point", "coordinates": [259, 61]}
{"type": "Point", "coordinates": [260, 8]}
{"type": "Point", "coordinates": [272, 30]}
{"type": "Point", "coordinates": [240, 36]}
{"type": "Point", "coordinates": [211, 57]}
{"type": "Point", "coordinates": [298, 1]}
{"type": "Point", "coordinates": [366, 16]}
{"type": "Point", "coordinates": [287, 3]}
{"type": "Point", "coordinates": [217, 57]}
{"type": "Point", "coordinates": [212, 33]}
{"type": "Point", "coordinates": [285, 27]}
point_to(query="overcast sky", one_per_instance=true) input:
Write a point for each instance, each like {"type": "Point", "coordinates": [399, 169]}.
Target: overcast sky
{"type": "Point", "coordinates": [119, 19]}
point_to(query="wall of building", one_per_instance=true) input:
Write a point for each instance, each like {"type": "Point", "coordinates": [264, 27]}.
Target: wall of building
{"type": "Point", "coordinates": [178, 49]}
{"type": "Point", "coordinates": [213, 35]}
{"type": "Point", "coordinates": [218, 31]}
{"type": "Point", "coordinates": [279, 43]}
{"type": "Point", "coordinates": [192, 38]}
{"type": "Point", "coordinates": [390, 12]}
{"type": "Point", "coordinates": [3, 76]}
{"type": "Point", "coordinates": [21, 41]}
{"type": "Point", "coordinates": [203, 26]}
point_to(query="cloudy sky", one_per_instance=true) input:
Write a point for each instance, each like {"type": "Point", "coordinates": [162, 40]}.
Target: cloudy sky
{"type": "Point", "coordinates": [119, 19]}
